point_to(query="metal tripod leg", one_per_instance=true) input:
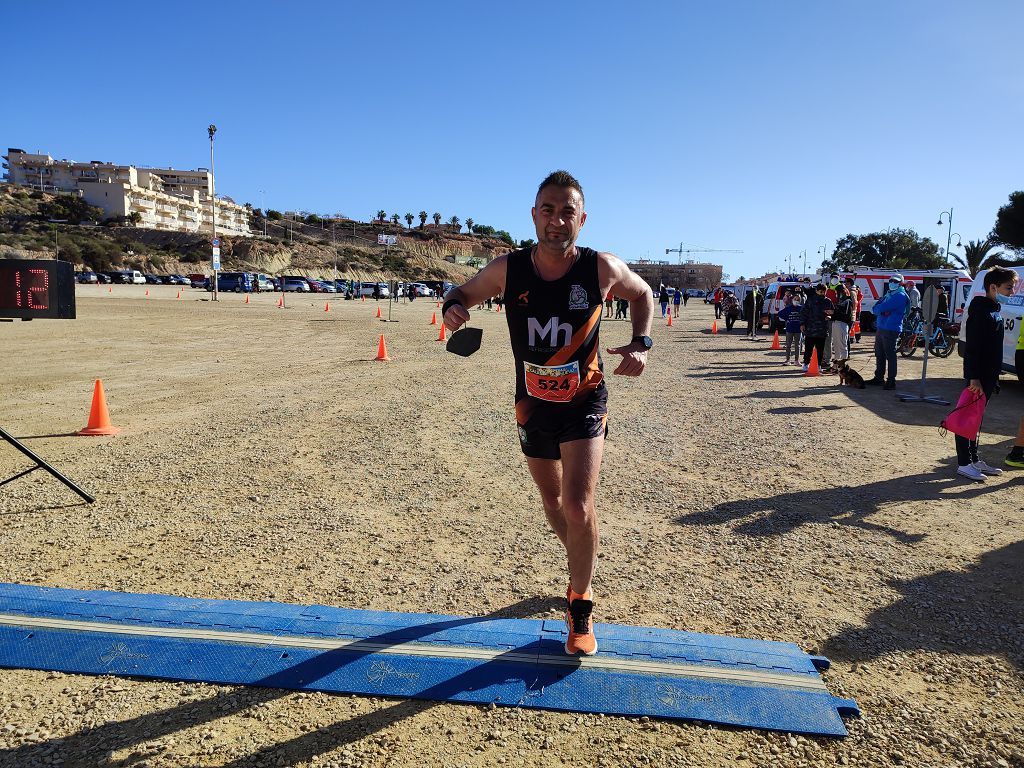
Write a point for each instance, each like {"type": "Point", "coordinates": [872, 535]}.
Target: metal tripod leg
{"type": "Point", "coordinates": [40, 464]}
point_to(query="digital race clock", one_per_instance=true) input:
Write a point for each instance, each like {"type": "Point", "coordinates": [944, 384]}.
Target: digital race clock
{"type": "Point", "coordinates": [31, 288]}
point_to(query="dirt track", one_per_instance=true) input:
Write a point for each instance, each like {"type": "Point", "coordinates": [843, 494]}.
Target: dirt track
{"type": "Point", "coordinates": [264, 455]}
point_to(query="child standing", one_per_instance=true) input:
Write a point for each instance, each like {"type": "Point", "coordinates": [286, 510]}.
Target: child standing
{"type": "Point", "coordinates": [790, 316]}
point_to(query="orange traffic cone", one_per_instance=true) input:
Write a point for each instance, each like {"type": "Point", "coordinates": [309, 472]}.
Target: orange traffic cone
{"type": "Point", "coordinates": [382, 349]}
{"type": "Point", "coordinates": [812, 367]}
{"type": "Point", "coordinates": [441, 336]}
{"type": "Point", "coordinates": [179, 294]}
{"type": "Point", "coordinates": [775, 340]}
{"type": "Point", "coordinates": [110, 289]}
{"type": "Point", "coordinates": [280, 303]}
{"type": "Point", "coordinates": [364, 299]}
{"type": "Point", "coordinates": [669, 320]}
{"type": "Point", "coordinates": [433, 318]}
{"type": "Point", "coordinates": [714, 326]}
{"type": "Point", "coordinates": [247, 298]}
{"type": "Point", "coordinates": [99, 418]}
{"type": "Point", "coordinates": [378, 313]}
{"type": "Point", "coordinates": [147, 292]}
{"type": "Point", "coordinates": [438, 305]}
{"type": "Point", "coordinates": [498, 309]}
{"type": "Point", "coordinates": [327, 306]}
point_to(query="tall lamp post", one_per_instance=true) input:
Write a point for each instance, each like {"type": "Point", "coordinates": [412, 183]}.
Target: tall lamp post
{"type": "Point", "coordinates": [804, 254]}
{"type": "Point", "coordinates": [823, 250]}
{"type": "Point", "coordinates": [213, 213]}
{"type": "Point", "coordinates": [949, 236]}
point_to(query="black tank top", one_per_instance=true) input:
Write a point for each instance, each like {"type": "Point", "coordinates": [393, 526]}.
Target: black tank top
{"type": "Point", "coordinates": [553, 326]}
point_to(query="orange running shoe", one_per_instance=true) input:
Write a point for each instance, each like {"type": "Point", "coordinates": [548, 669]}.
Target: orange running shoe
{"type": "Point", "coordinates": [579, 621]}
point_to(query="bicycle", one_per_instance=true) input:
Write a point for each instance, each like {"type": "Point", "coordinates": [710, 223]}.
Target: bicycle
{"type": "Point", "coordinates": [940, 344]}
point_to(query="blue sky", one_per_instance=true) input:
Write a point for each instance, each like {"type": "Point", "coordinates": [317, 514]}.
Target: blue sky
{"type": "Point", "coordinates": [769, 127]}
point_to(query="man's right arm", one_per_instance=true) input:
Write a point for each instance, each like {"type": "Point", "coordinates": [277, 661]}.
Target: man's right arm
{"type": "Point", "coordinates": [488, 282]}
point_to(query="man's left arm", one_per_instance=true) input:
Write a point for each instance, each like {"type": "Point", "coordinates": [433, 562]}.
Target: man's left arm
{"type": "Point", "coordinates": [623, 282]}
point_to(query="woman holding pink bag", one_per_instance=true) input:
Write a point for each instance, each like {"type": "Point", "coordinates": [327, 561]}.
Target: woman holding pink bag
{"type": "Point", "coordinates": [983, 357]}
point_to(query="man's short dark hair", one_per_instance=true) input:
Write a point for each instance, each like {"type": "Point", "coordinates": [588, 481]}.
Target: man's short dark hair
{"type": "Point", "coordinates": [998, 276]}
{"type": "Point", "coordinates": [561, 179]}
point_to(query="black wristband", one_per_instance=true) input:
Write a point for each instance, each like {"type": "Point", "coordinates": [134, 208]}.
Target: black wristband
{"type": "Point", "coordinates": [448, 304]}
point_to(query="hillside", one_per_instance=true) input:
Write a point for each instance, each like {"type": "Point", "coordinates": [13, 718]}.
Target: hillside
{"type": "Point", "coordinates": [311, 249]}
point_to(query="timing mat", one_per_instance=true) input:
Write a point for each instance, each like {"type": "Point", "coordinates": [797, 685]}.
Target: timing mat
{"type": "Point", "coordinates": [509, 662]}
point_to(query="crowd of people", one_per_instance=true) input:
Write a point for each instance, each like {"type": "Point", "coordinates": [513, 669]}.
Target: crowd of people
{"type": "Point", "coordinates": [822, 321]}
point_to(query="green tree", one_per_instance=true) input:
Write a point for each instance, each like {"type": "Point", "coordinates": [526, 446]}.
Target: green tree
{"type": "Point", "coordinates": [486, 230]}
{"type": "Point", "coordinates": [502, 234]}
{"type": "Point", "coordinates": [527, 243]}
{"type": "Point", "coordinates": [1009, 228]}
{"type": "Point", "coordinates": [74, 209]}
{"type": "Point", "coordinates": [408, 220]}
{"type": "Point", "coordinates": [454, 221]}
{"type": "Point", "coordinates": [273, 215]}
{"type": "Point", "coordinates": [394, 218]}
{"type": "Point", "coordinates": [423, 219]}
{"type": "Point", "coordinates": [895, 249]}
{"type": "Point", "coordinates": [381, 215]}
{"type": "Point", "coordinates": [976, 256]}
{"type": "Point", "coordinates": [437, 218]}
{"type": "Point", "coordinates": [469, 225]}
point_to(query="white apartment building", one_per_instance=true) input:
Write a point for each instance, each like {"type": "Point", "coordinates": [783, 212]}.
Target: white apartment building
{"type": "Point", "coordinates": [165, 198]}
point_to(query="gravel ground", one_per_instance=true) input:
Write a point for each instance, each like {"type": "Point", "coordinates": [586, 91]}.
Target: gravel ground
{"type": "Point", "coordinates": [265, 456]}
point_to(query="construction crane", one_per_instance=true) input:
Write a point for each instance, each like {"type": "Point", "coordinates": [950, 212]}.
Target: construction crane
{"type": "Point", "coordinates": [680, 250]}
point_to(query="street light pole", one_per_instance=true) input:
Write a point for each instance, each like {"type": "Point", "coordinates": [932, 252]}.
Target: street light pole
{"type": "Point", "coordinates": [949, 236]}
{"type": "Point", "coordinates": [823, 250]}
{"type": "Point", "coordinates": [804, 254]}
{"type": "Point", "coordinates": [213, 206]}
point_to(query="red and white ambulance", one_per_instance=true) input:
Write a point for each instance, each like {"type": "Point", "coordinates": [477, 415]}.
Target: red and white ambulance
{"type": "Point", "coordinates": [873, 284]}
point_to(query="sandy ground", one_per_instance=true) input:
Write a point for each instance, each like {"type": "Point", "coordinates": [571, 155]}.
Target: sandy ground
{"type": "Point", "coordinates": [264, 455]}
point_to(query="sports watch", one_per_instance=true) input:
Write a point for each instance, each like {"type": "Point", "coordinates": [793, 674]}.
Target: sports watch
{"type": "Point", "coordinates": [645, 340]}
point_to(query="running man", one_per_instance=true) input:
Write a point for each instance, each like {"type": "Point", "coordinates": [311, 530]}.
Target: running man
{"type": "Point", "coordinates": [554, 295]}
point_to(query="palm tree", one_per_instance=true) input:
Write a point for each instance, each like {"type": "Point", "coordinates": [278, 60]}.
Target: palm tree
{"type": "Point", "coordinates": [381, 215]}
{"type": "Point", "coordinates": [976, 256]}
{"type": "Point", "coordinates": [469, 225]}
{"type": "Point", "coordinates": [394, 218]}
{"type": "Point", "coordinates": [423, 219]}
{"type": "Point", "coordinates": [437, 219]}
{"type": "Point", "coordinates": [408, 220]}
{"type": "Point", "coordinates": [454, 221]}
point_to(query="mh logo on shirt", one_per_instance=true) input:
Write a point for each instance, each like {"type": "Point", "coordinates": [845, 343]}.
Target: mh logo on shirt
{"type": "Point", "coordinates": [551, 328]}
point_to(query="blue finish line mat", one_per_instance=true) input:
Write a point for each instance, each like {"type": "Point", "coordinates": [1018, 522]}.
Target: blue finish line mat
{"type": "Point", "coordinates": [510, 662]}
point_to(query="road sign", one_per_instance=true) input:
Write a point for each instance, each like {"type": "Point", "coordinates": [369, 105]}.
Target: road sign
{"type": "Point", "coordinates": [216, 242]}
{"type": "Point", "coordinates": [216, 258]}
{"type": "Point", "coordinates": [383, 239]}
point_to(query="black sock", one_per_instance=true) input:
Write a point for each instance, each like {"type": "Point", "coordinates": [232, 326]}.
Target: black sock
{"type": "Point", "coordinates": [1017, 452]}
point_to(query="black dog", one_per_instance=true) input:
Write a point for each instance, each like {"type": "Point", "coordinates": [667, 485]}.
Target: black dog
{"type": "Point", "coordinates": [849, 377]}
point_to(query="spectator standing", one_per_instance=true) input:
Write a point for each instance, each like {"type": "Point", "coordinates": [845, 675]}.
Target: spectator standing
{"type": "Point", "coordinates": [941, 303]}
{"type": "Point", "coordinates": [888, 312]}
{"type": "Point", "coordinates": [750, 309]}
{"type": "Point", "coordinates": [731, 309]}
{"type": "Point", "coordinates": [789, 315]}
{"type": "Point", "coordinates": [608, 305]}
{"type": "Point", "coordinates": [677, 298]}
{"type": "Point", "coordinates": [842, 318]}
{"type": "Point", "coordinates": [686, 297]}
{"type": "Point", "coordinates": [621, 309]}
{"type": "Point", "coordinates": [663, 298]}
{"type": "Point", "coordinates": [718, 295]}
{"type": "Point", "coordinates": [983, 360]}
{"type": "Point", "coordinates": [814, 321]}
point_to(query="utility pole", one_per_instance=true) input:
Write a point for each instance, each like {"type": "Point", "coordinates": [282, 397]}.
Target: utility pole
{"type": "Point", "coordinates": [213, 211]}
{"type": "Point", "coordinates": [949, 235]}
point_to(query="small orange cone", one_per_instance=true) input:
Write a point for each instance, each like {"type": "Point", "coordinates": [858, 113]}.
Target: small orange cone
{"type": "Point", "coordinates": [433, 318]}
{"type": "Point", "coordinates": [280, 303]}
{"type": "Point", "coordinates": [498, 309]}
{"type": "Point", "coordinates": [775, 340]}
{"type": "Point", "coordinates": [438, 305]}
{"type": "Point", "coordinates": [110, 289]}
{"type": "Point", "coordinates": [327, 306]}
{"type": "Point", "coordinates": [378, 313]}
{"type": "Point", "coordinates": [669, 319]}
{"type": "Point", "coordinates": [147, 292]}
{"type": "Point", "coordinates": [812, 367]}
{"type": "Point", "coordinates": [714, 326]}
{"type": "Point", "coordinates": [179, 294]}
{"type": "Point", "coordinates": [854, 329]}
{"type": "Point", "coordinates": [441, 336]}
{"type": "Point", "coordinates": [247, 298]}
{"type": "Point", "coordinates": [99, 418]}
{"type": "Point", "coordinates": [382, 349]}
{"type": "Point", "coordinates": [364, 299]}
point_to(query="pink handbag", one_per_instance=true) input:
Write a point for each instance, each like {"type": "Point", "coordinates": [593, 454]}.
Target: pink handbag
{"type": "Point", "coordinates": [965, 419]}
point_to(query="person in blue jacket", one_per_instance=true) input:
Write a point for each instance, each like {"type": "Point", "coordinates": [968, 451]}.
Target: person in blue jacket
{"type": "Point", "coordinates": [888, 312]}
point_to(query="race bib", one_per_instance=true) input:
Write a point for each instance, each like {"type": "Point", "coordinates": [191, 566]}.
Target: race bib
{"type": "Point", "coordinates": [554, 383]}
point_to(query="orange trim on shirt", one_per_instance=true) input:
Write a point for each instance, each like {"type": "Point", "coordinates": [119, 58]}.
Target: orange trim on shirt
{"type": "Point", "coordinates": [561, 357]}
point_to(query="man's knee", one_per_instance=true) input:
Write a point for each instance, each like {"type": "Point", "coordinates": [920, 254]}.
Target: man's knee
{"type": "Point", "coordinates": [552, 501]}
{"type": "Point", "coordinates": [578, 512]}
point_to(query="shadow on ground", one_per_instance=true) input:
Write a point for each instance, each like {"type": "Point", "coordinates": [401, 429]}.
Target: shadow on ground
{"type": "Point", "coordinates": [979, 611]}
{"type": "Point", "coordinates": [852, 506]}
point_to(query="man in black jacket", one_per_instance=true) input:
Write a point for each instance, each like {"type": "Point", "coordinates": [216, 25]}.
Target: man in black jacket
{"type": "Point", "coordinates": [983, 361]}
{"type": "Point", "coordinates": [814, 321]}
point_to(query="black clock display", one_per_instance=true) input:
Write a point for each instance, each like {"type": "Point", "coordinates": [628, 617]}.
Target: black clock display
{"type": "Point", "coordinates": [37, 288]}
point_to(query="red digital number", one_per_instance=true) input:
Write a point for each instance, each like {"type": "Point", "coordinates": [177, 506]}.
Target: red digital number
{"type": "Point", "coordinates": [41, 293]}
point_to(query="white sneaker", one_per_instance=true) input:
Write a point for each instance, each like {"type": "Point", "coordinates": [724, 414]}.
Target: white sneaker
{"type": "Point", "coordinates": [981, 466]}
{"type": "Point", "coordinates": [970, 471]}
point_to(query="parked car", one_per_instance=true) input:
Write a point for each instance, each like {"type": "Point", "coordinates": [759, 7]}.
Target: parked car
{"type": "Point", "coordinates": [136, 277]}
{"type": "Point", "coordinates": [296, 285]}
{"type": "Point", "coordinates": [197, 281]}
{"type": "Point", "coordinates": [88, 277]}
{"type": "Point", "coordinates": [238, 282]}
{"type": "Point", "coordinates": [263, 283]}
{"type": "Point", "coordinates": [120, 277]}
{"type": "Point", "coordinates": [153, 279]}
{"type": "Point", "coordinates": [366, 289]}
{"type": "Point", "coordinates": [102, 277]}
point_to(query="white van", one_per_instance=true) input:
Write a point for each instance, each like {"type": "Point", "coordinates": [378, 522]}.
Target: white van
{"type": "Point", "coordinates": [1012, 312]}
{"type": "Point", "coordinates": [137, 277]}
{"type": "Point", "coordinates": [874, 283]}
